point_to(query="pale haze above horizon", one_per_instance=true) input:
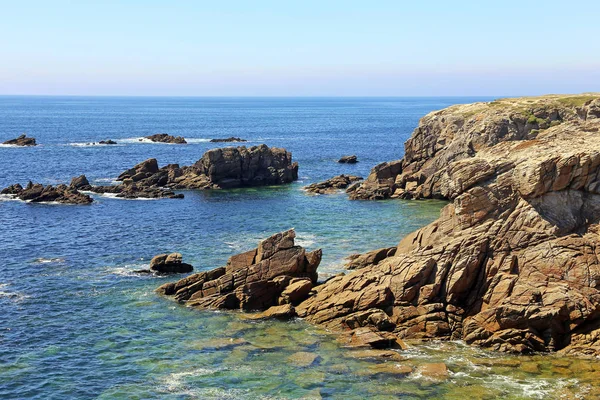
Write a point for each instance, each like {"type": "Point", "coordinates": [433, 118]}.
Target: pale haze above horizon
{"type": "Point", "coordinates": [299, 48]}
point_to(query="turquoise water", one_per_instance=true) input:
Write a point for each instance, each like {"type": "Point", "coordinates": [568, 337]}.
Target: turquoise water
{"type": "Point", "coordinates": [77, 323]}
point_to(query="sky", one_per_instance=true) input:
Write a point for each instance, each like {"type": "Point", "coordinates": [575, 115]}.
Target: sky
{"type": "Point", "coordinates": [299, 48]}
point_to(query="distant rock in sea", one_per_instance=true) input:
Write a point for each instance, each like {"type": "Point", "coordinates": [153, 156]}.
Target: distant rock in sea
{"type": "Point", "coordinates": [109, 141]}
{"type": "Point", "coordinates": [37, 193]}
{"type": "Point", "coordinates": [166, 138]}
{"type": "Point", "coordinates": [348, 159]}
{"type": "Point", "coordinates": [164, 264]}
{"type": "Point", "coordinates": [230, 139]}
{"type": "Point", "coordinates": [22, 140]}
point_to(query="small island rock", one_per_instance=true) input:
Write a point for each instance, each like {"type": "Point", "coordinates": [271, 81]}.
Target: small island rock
{"type": "Point", "coordinates": [22, 140]}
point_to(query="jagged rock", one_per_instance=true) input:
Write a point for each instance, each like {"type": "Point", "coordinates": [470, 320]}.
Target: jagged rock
{"type": "Point", "coordinates": [219, 169]}
{"type": "Point", "coordinates": [373, 257]}
{"type": "Point", "coordinates": [22, 140]}
{"type": "Point", "coordinates": [166, 138]}
{"type": "Point", "coordinates": [332, 185]}
{"type": "Point", "coordinates": [169, 264]}
{"type": "Point", "coordinates": [296, 291]}
{"type": "Point", "coordinates": [511, 264]}
{"type": "Point", "coordinates": [36, 193]}
{"type": "Point", "coordinates": [348, 159]}
{"type": "Point", "coordinates": [80, 183]}
{"type": "Point", "coordinates": [254, 280]}
{"type": "Point", "coordinates": [379, 184]}
{"type": "Point", "coordinates": [228, 140]}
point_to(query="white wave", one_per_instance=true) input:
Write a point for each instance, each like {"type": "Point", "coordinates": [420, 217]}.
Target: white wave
{"type": "Point", "coordinates": [197, 140]}
{"type": "Point", "coordinates": [114, 196]}
{"type": "Point", "coordinates": [127, 270]}
{"type": "Point", "coordinates": [91, 144]}
{"type": "Point", "coordinates": [43, 260]}
{"type": "Point", "coordinates": [13, 145]}
{"type": "Point", "coordinates": [9, 197]}
{"type": "Point", "coordinates": [14, 296]}
{"type": "Point", "coordinates": [305, 239]}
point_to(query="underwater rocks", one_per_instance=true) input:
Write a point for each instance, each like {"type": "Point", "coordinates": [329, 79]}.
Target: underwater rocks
{"type": "Point", "coordinates": [348, 159]}
{"type": "Point", "coordinates": [228, 140]}
{"type": "Point", "coordinates": [512, 263]}
{"type": "Point", "coordinates": [273, 274]}
{"type": "Point", "coordinates": [164, 264]}
{"type": "Point", "coordinates": [332, 185]}
{"type": "Point", "coordinates": [37, 193]}
{"type": "Point", "coordinates": [22, 140]}
{"type": "Point", "coordinates": [220, 168]}
{"type": "Point", "coordinates": [166, 138]}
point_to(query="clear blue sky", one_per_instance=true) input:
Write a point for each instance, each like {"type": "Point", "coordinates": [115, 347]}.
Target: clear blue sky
{"type": "Point", "coordinates": [305, 48]}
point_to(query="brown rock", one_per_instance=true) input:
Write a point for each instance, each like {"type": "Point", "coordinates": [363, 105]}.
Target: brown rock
{"type": "Point", "coordinates": [166, 138]}
{"type": "Point", "coordinates": [332, 185]}
{"type": "Point", "coordinates": [169, 264]}
{"type": "Point", "coordinates": [22, 140]}
{"type": "Point", "coordinates": [258, 285]}
{"type": "Point", "coordinates": [285, 311]}
{"type": "Point", "coordinates": [436, 371]}
{"type": "Point", "coordinates": [228, 140]}
{"type": "Point", "coordinates": [37, 193]}
{"type": "Point", "coordinates": [374, 257]}
{"type": "Point", "coordinates": [348, 160]}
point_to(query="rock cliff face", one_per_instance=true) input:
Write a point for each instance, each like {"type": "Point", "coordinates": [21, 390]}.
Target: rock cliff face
{"type": "Point", "coordinates": [512, 263]}
{"type": "Point", "coordinates": [275, 273]}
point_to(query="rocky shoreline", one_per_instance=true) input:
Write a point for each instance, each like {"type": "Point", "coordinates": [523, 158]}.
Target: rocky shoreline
{"type": "Point", "coordinates": [510, 265]}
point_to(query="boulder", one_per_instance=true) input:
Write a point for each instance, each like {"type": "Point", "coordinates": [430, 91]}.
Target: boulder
{"type": "Point", "coordinates": [510, 264]}
{"type": "Point", "coordinates": [37, 193]}
{"type": "Point", "coordinates": [80, 183]}
{"type": "Point", "coordinates": [22, 140]}
{"type": "Point", "coordinates": [166, 138]}
{"type": "Point", "coordinates": [332, 185]}
{"type": "Point", "coordinates": [348, 159]}
{"type": "Point", "coordinates": [163, 264]}
{"type": "Point", "coordinates": [254, 280]}
{"type": "Point", "coordinates": [228, 140]}
{"type": "Point", "coordinates": [109, 141]}
{"type": "Point", "coordinates": [373, 257]}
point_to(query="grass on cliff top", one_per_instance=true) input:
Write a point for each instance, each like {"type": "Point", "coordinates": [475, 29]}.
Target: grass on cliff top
{"type": "Point", "coordinates": [568, 100]}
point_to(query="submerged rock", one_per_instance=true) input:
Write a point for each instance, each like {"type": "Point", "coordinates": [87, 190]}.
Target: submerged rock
{"type": "Point", "coordinates": [511, 263]}
{"type": "Point", "coordinates": [37, 193]}
{"type": "Point", "coordinates": [228, 140]}
{"type": "Point", "coordinates": [22, 140]}
{"type": "Point", "coordinates": [332, 185]}
{"type": "Point", "coordinates": [163, 264]}
{"type": "Point", "coordinates": [348, 159]}
{"type": "Point", "coordinates": [166, 138]}
{"type": "Point", "coordinates": [254, 280]}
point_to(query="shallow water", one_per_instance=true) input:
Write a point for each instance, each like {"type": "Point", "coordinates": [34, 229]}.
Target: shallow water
{"type": "Point", "coordinates": [76, 321]}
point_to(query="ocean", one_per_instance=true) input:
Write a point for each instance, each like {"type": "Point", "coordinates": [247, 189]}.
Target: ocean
{"type": "Point", "coordinates": [76, 322]}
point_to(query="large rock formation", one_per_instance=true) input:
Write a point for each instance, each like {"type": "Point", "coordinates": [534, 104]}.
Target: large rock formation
{"type": "Point", "coordinates": [460, 132]}
{"type": "Point", "coordinates": [222, 168]}
{"type": "Point", "coordinates": [164, 264]}
{"type": "Point", "coordinates": [332, 185]}
{"type": "Point", "coordinates": [37, 193]}
{"type": "Point", "coordinates": [512, 263]}
{"type": "Point", "coordinates": [166, 138]}
{"type": "Point", "coordinates": [275, 273]}
{"type": "Point", "coordinates": [22, 140]}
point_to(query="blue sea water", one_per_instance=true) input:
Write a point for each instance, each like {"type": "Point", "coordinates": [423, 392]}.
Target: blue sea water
{"type": "Point", "coordinates": [77, 322]}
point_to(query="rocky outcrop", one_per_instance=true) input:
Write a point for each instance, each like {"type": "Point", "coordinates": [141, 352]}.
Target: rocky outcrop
{"type": "Point", "coordinates": [22, 140]}
{"type": "Point", "coordinates": [109, 141]}
{"type": "Point", "coordinates": [276, 273]}
{"type": "Point", "coordinates": [332, 185]}
{"type": "Point", "coordinates": [358, 261]}
{"type": "Point", "coordinates": [460, 132]}
{"type": "Point", "coordinates": [512, 262]}
{"type": "Point", "coordinates": [228, 140]}
{"type": "Point", "coordinates": [348, 159]}
{"type": "Point", "coordinates": [37, 193]}
{"type": "Point", "coordinates": [166, 138]}
{"type": "Point", "coordinates": [164, 264]}
{"type": "Point", "coordinates": [222, 168]}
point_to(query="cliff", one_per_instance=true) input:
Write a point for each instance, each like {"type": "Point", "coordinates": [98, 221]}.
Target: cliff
{"type": "Point", "coordinates": [512, 263]}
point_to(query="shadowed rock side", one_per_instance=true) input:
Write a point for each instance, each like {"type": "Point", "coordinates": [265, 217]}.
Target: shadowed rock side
{"type": "Point", "coordinates": [22, 140]}
{"type": "Point", "coordinates": [166, 138]}
{"type": "Point", "coordinates": [348, 159]}
{"type": "Point", "coordinates": [36, 193]}
{"type": "Point", "coordinates": [332, 185]}
{"type": "Point", "coordinates": [227, 140]}
{"type": "Point", "coordinates": [274, 274]}
{"type": "Point", "coordinates": [512, 263]}
{"type": "Point", "coordinates": [223, 168]}
{"type": "Point", "coordinates": [460, 132]}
